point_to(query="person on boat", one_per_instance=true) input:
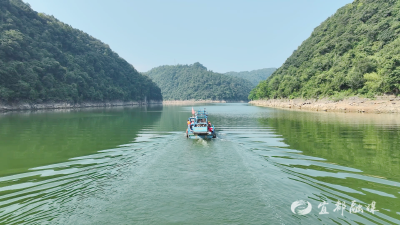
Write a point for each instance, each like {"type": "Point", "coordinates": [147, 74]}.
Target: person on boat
{"type": "Point", "coordinates": [188, 123]}
{"type": "Point", "coordinates": [210, 127]}
{"type": "Point", "coordinates": [191, 125]}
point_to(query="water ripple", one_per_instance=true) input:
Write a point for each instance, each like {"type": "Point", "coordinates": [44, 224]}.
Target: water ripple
{"type": "Point", "coordinates": [36, 196]}
{"type": "Point", "coordinates": [327, 181]}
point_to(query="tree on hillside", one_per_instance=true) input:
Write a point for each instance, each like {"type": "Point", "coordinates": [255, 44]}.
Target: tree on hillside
{"type": "Point", "coordinates": [45, 60]}
{"type": "Point", "coordinates": [182, 82]}
{"type": "Point", "coordinates": [355, 51]}
{"type": "Point", "coordinates": [254, 76]}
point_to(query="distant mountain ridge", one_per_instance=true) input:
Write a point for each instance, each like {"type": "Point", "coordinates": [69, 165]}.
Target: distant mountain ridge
{"type": "Point", "coordinates": [44, 60]}
{"type": "Point", "coordinates": [254, 76]}
{"type": "Point", "coordinates": [182, 82]}
{"type": "Point", "coordinates": [355, 51]}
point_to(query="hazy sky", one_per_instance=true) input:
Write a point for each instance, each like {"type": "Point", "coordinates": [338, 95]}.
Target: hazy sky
{"type": "Point", "coordinates": [223, 35]}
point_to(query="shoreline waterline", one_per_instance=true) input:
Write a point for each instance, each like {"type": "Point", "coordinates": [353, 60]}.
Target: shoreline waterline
{"type": "Point", "coordinates": [382, 104]}
{"type": "Point", "coordinates": [189, 102]}
{"type": "Point", "coordinates": [66, 105]}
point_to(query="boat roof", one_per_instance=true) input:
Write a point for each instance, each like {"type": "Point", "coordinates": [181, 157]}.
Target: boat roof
{"type": "Point", "coordinates": [201, 114]}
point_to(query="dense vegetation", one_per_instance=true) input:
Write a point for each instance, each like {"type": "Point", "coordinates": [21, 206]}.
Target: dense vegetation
{"type": "Point", "coordinates": [356, 51]}
{"type": "Point", "coordinates": [194, 81]}
{"type": "Point", "coordinates": [45, 60]}
{"type": "Point", "coordinates": [254, 76]}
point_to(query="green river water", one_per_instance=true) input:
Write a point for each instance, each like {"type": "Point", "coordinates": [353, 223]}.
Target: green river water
{"type": "Point", "coordinates": [135, 166]}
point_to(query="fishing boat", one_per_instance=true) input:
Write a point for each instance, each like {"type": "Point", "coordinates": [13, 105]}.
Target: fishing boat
{"type": "Point", "coordinates": [199, 127]}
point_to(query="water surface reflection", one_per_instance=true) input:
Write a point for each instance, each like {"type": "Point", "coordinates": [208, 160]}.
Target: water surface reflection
{"type": "Point", "coordinates": [134, 165]}
{"type": "Point", "coordinates": [348, 156]}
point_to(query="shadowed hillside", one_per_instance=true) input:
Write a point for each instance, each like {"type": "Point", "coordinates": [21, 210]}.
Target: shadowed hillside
{"type": "Point", "coordinates": [45, 60]}
{"type": "Point", "coordinates": [194, 81]}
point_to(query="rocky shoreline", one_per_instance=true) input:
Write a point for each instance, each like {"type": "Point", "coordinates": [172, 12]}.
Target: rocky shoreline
{"type": "Point", "coordinates": [382, 104]}
{"type": "Point", "coordinates": [64, 105]}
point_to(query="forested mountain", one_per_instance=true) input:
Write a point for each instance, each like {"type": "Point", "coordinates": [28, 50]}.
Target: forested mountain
{"type": "Point", "coordinates": [194, 81]}
{"type": "Point", "coordinates": [254, 76]}
{"type": "Point", "coordinates": [45, 60]}
{"type": "Point", "coordinates": [355, 51]}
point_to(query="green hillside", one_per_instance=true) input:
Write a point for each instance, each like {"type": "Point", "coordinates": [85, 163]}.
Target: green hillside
{"type": "Point", "coordinates": [254, 76]}
{"type": "Point", "coordinates": [355, 51]}
{"type": "Point", "coordinates": [194, 81]}
{"type": "Point", "coordinates": [45, 60]}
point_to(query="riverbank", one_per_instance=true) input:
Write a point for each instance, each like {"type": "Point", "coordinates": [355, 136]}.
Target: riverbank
{"type": "Point", "coordinates": [382, 104]}
{"type": "Point", "coordinates": [64, 105]}
{"type": "Point", "coordinates": [190, 102]}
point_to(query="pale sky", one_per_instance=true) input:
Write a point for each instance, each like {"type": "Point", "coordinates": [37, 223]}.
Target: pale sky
{"type": "Point", "coordinates": [223, 35]}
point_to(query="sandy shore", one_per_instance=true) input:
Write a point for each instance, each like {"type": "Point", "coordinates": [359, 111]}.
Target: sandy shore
{"type": "Point", "coordinates": [382, 104]}
{"type": "Point", "coordinates": [189, 102]}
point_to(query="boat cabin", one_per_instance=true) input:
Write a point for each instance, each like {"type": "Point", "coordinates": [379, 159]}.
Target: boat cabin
{"type": "Point", "coordinates": [199, 126]}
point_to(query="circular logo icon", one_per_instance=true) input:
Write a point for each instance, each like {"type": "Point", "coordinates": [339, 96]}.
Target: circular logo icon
{"type": "Point", "coordinates": [301, 207]}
